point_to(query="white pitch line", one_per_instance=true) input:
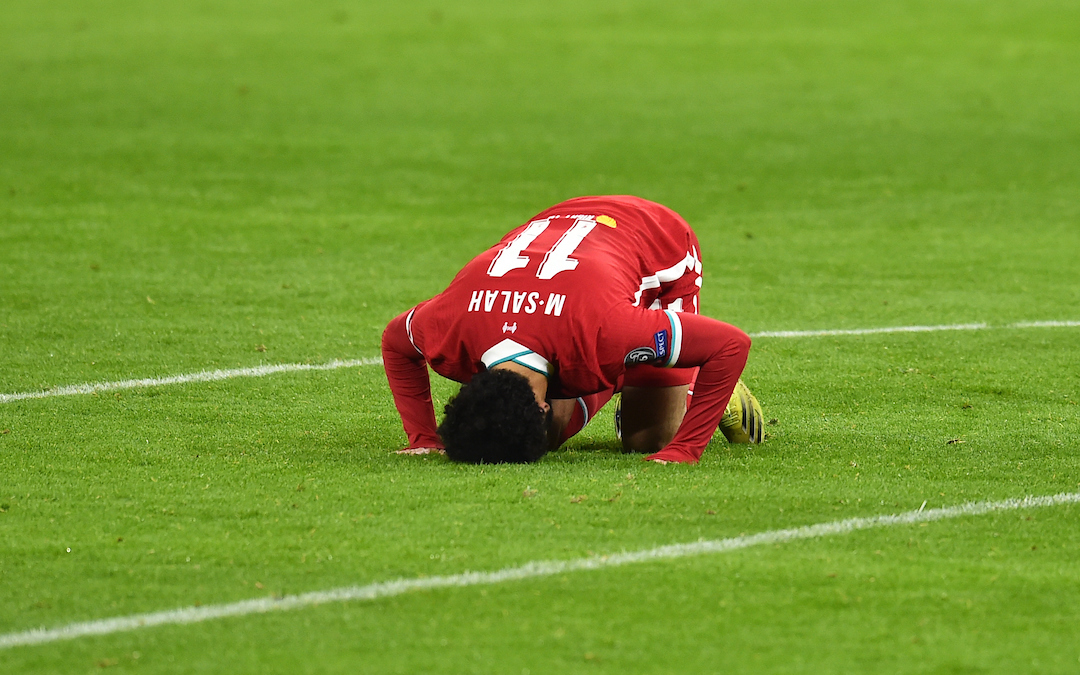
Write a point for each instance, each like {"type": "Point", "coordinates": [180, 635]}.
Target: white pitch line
{"type": "Point", "coordinates": [201, 376]}
{"type": "Point", "coordinates": [913, 329]}
{"type": "Point", "coordinates": [868, 331]}
{"type": "Point", "coordinates": [532, 570]}
{"type": "Point", "coordinates": [261, 371]}
{"type": "Point", "coordinates": [1044, 324]}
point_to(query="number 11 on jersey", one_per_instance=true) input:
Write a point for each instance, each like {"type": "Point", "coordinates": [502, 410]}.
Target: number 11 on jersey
{"type": "Point", "coordinates": [556, 260]}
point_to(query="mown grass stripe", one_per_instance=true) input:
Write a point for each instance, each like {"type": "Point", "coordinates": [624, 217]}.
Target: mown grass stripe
{"type": "Point", "coordinates": [262, 371]}
{"type": "Point", "coordinates": [532, 570]}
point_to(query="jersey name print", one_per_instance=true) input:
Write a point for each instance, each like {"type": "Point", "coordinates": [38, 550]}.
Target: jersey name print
{"type": "Point", "coordinates": [523, 301]}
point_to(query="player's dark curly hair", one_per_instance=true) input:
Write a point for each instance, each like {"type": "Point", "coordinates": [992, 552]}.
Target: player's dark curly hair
{"type": "Point", "coordinates": [494, 419]}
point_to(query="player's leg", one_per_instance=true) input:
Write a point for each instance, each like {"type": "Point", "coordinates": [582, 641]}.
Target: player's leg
{"type": "Point", "coordinates": [570, 415]}
{"type": "Point", "coordinates": [562, 411]}
{"type": "Point", "coordinates": [654, 399]}
{"type": "Point", "coordinates": [650, 416]}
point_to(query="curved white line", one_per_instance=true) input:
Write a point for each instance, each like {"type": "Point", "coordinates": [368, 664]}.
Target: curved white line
{"type": "Point", "coordinates": [530, 570]}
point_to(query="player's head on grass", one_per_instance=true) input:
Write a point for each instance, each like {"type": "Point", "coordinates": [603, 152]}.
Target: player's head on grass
{"type": "Point", "coordinates": [495, 419]}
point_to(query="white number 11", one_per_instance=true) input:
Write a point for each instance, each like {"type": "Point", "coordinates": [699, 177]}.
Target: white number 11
{"type": "Point", "coordinates": [556, 260]}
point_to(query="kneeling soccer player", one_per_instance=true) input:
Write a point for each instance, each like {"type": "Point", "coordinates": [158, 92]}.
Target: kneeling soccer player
{"type": "Point", "coordinates": [594, 296]}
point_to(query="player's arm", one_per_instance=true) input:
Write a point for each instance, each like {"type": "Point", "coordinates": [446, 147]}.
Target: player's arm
{"type": "Point", "coordinates": [407, 374]}
{"type": "Point", "coordinates": [720, 350]}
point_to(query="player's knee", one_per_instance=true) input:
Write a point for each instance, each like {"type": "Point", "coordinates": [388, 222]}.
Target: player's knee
{"type": "Point", "coordinates": [743, 340]}
{"type": "Point", "coordinates": [648, 441]}
{"type": "Point", "coordinates": [739, 343]}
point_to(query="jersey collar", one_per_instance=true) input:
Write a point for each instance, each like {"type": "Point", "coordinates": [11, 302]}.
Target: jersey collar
{"type": "Point", "coordinates": [508, 350]}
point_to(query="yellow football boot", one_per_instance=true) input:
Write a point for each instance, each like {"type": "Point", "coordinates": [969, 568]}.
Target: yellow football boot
{"type": "Point", "coordinates": [742, 421]}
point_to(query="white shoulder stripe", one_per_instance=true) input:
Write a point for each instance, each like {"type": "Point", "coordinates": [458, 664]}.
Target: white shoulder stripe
{"type": "Point", "coordinates": [688, 264]}
{"type": "Point", "coordinates": [676, 271]}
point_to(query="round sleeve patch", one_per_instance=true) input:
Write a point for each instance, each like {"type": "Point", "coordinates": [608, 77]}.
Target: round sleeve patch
{"type": "Point", "coordinates": [658, 352]}
{"type": "Point", "coordinates": [640, 355]}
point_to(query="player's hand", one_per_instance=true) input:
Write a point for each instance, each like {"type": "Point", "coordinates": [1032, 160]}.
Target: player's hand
{"type": "Point", "coordinates": [419, 451]}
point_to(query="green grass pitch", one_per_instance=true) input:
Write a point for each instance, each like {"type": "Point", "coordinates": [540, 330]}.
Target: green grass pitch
{"type": "Point", "coordinates": [198, 185]}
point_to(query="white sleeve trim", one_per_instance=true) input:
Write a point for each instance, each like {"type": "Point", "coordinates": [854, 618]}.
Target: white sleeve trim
{"type": "Point", "coordinates": [408, 330]}
{"type": "Point", "coordinates": [584, 411]}
{"type": "Point", "coordinates": [676, 338]}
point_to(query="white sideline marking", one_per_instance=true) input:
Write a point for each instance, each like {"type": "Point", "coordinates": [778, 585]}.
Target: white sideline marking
{"type": "Point", "coordinates": [914, 329]}
{"type": "Point", "coordinates": [532, 570]}
{"type": "Point", "coordinates": [869, 331]}
{"type": "Point", "coordinates": [201, 376]}
{"type": "Point", "coordinates": [261, 371]}
{"type": "Point", "coordinates": [1044, 324]}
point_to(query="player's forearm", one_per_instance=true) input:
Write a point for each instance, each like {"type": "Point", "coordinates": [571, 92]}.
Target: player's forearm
{"type": "Point", "coordinates": [720, 350]}
{"type": "Point", "coordinates": [407, 374]}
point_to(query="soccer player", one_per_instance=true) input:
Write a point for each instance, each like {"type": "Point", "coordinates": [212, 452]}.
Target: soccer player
{"type": "Point", "coordinates": [593, 296]}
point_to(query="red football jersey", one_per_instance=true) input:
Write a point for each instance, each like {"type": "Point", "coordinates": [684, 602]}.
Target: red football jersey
{"type": "Point", "coordinates": [581, 292]}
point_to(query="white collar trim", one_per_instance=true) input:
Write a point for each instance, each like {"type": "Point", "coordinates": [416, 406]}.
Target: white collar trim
{"type": "Point", "coordinates": [508, 350]}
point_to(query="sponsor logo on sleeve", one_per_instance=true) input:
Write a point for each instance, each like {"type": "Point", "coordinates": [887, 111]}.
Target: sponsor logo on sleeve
{"type": "Point", "coordinates": [662, 342]}
{"type": "Point", "coordinates": [640, 355]}
{"type": "Point", "coordinates": [659, 351]}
